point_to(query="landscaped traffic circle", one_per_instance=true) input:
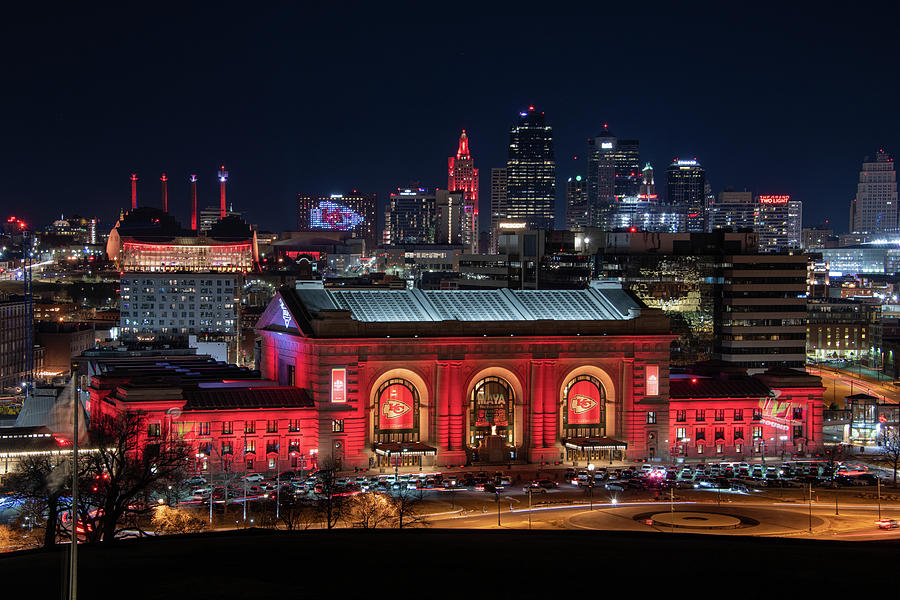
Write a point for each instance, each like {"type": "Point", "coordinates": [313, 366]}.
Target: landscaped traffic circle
{"type": "Point", "coordinates": [696, 520]}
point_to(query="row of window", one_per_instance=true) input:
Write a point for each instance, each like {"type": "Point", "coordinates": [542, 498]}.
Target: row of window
{"type": "Point", "coordinates": [681, 433]}
{"type": "Point", "coordinates": [204, 428]}
{"type": "Point", "coordinates": [719, 414]}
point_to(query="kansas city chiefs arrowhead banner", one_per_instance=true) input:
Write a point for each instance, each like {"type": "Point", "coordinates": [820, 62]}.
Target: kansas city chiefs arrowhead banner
{"type": "Point", "coordinates": [396, 408]}
{"type": "Point", "coordinates": [584, 404]}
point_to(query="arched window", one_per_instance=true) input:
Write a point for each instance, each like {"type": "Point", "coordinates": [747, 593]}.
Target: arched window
{"type": "Point", "coordinates": [491, 410]}
{"type": "Point", "coordinates": [397, 412]}
{"type": "Point", "coordinates": [584, 408]}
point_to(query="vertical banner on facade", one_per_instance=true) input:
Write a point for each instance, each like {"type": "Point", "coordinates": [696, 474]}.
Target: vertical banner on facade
{"type": "Point", "coordinates": [396, 408]}
{"type": "Point", "coordinates": [339, 385]}
{"type": "Point", "coordinates": [584, 404]}
{"type": "Point", "coordinates": [653, 380]}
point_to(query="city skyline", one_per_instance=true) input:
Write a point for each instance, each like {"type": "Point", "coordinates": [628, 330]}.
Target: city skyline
{"type": "Point", "coordinates": [174, 97]}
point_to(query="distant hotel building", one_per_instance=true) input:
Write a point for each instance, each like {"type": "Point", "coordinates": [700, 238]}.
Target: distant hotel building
{"type": "Point", "coordinates": [357, 213]}
{"type": "Point", "coordinates": [732, 210]}
{"type": "Point", "coordinates": [410, 217]}
{"type": "Point", "coordinates": [875, 205]}
{"type": "Point", "coordinates": [778, 222]}
{"type": "Point", "coordinates": [531, 171]}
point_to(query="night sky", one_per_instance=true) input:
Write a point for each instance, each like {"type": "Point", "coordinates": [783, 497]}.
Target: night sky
{"type": "Point", "coordinates": [293, 98]}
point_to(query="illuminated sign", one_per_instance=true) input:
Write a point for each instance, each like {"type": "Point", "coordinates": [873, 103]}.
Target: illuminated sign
{"type": "Point", "coordinates": [396, 408]}
{"type": "Point", "coordinates": [585, 404]}
{"type": "Point", "coordinates": [285, 314]}
{"type": "Point", "coordinates": [686, 163]}
{"type": "Point", "coordinates": [606, 145]}
{"type": "Point", "coordinates": [339, 385]}
{"type": "Point", "coordinates": [333, 216]}
{"type": "Point", "coordinates": [511, 225]}
{"type": "Point", "coordinates": [652, 380]}
{"type": "Point", "coordinates": [782, 199]}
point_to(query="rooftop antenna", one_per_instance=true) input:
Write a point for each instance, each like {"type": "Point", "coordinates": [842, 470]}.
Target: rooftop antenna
{"type": "Point", "coordinates": [193, 203]}
{"type": "Point", "coordinates": [165, 193]}
{"type": "Point", "coordinates": [134, 180]}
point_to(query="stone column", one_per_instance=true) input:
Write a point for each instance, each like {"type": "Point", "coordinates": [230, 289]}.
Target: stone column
{"type": "Point", "coordinates": [536, 407]}
{"type": "Point", "coordinates": [442, 414]}
{"type": "Point", "coordinates": [457, 405]}
{"type": "Point", "coordinates": [551, 403]}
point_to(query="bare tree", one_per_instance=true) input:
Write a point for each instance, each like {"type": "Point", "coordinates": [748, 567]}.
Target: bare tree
{"type": "Point", "coordinates": [408, 508]}
{"type": "Point", "coordinates": [890, 447]}
{"type": "Point", "coordinates": [39, 482]}
{"type": "Point", "coordinates": [370, 509]}
{"type": "Point", "coordinates": [176, 520]}
{"type": "Point", "coordinates": [124, 472]}
{"type": "Point", "coordinates": [331, 501]}
{"type": "Point", "coordinates": [297, 513]}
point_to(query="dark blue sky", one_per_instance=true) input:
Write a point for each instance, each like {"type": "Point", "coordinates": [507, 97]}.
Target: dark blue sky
{"type": "Point", "coordinates": [775, 99]}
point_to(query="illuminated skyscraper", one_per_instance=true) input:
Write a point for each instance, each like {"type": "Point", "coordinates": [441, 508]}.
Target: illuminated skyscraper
{"type": "Point", "coordinates": [614, 172]}
{"type": "Point", "coordinates": [462, 176]}
{"type": "Point", "coordinates": [686, 190]}
{"type": "Point", "coordinates": [411, 217]}
{"type": "Point", "coordinates": [531, 171]}
{"type": "Point", "coordinates": [578, 212]}
{"type": "Point", "coordinates": [778, 222]}
{"type": "Point", "coordinates": [875, 205]}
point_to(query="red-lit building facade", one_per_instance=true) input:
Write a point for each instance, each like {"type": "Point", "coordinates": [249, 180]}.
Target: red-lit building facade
{"type": "Point", "coordinates": [416, 377]}
{"type": "Point", "coordinates": [723, 415]}
{"type": "Point", "coordinates": [231, 418]}
{"type": "Point", "coordinates": [462, 176]}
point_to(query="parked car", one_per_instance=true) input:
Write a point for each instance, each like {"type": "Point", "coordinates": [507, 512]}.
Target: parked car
{"type": "Point", "coordinates": [615, 486]}
{"type": "Point", "coordinates": [195, 481]}
{"type": "Point", "coordinates": [253, 477]}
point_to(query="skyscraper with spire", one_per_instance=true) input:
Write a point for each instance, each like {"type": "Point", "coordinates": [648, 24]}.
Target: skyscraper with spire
{"type": "Point", "coordinates": [462, 176]}
{"type": "Point", "coordinates": [531, 171]}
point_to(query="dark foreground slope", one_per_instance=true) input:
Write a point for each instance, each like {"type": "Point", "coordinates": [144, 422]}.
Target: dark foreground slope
{"type": "Point", "coordinates": [455, 563]}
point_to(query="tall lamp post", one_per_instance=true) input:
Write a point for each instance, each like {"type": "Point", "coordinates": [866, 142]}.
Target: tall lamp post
{"type": "Point", "coordinates": [590, 489]}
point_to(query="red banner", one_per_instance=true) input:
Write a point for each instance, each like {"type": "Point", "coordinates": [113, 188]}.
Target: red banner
{"type": "Point", "coordinates": [339, 385]}
{"type": "Point", "coordinates": [584, 404]}
{"type": "Point", "coordinates": [396, 408]}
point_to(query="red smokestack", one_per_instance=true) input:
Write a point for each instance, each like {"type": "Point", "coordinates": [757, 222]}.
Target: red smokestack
{"type": "Point", "coordinates": [223, 177]}
{"type": "Point", "coordinates": [194, 203]}
{"type": "Point", "coordinates": [133, 191]}
{"type": "Point", "coordinates": [165, 193]}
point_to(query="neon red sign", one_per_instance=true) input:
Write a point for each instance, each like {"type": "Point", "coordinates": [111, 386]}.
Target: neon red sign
{"type": "Point", "coordinates": [396, 408]}
{"type": "Point", "coordinates": [339, 385]}
{"type": "Point", "coordinates": [769, 199]}
{"type": "Point", "coordinates": [584, 403]}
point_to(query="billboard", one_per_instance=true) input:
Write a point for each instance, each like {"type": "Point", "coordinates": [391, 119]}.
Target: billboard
{"type": "Point", "coordinates": [332, 216]}
{"type": "Point", "coordinates": [396, 408]}
{"type": "Point", "coordinates": [492, 405]}
{"type": "Point", "coordinates": [585, 404]}
{"type": "Point", "coordinates": [339, 385]}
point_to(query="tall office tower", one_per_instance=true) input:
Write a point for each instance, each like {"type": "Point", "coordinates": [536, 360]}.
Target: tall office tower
{"type": "Point", "coordinates": [686, 190]}
{"type": "Point", "coordinates": [354, 212]}
{"type": "Point", "coordinates": [578, 212]}
{"type": "Point", "coordinates": [760, 320]}
{"type": "Point", "coordinates": [498, 204]}
{"type": "Point", "coordinates": [875, 205]}
{"type": "Point", "coordinates": [778, 222]}
{"type": "Point", "coordinates": [614, 172]}
{"type": "Point", "coordinates": [733, 210]}
{"type": "Point", "coordinates": [462, 176]}
{"type": "Point", "coordinates": [648, 185]}
{"type": "Point", "coordinates": [410, 217]}
{"type": "Point", "coordinates": [531, 171]}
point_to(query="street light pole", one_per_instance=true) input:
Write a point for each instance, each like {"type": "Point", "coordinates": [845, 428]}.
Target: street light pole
{"type": "Point", "coordinates": [810, 508]}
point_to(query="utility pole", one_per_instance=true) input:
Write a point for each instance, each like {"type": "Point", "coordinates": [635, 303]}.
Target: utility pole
{"type": "Point", "coordinates": [73, 554]}
{"type": "Point", "coordinates": [810, 508]}
{"type": "Point", "coordinates": [529, 507]}
{"type": "Point", "coordinates": [878, 483]}
{"type": "Point", "coordinates": [672, 507]}
{"type": "Point", "coordinates": [497, 497]}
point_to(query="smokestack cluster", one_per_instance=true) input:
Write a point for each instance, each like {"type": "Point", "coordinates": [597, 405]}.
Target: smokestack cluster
{"type": "Point", "coordinates": [164, 180]}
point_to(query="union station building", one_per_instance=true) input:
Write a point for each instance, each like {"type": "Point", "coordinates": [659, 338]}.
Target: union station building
{"type": "Point", "coordinates": [422, 378]}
